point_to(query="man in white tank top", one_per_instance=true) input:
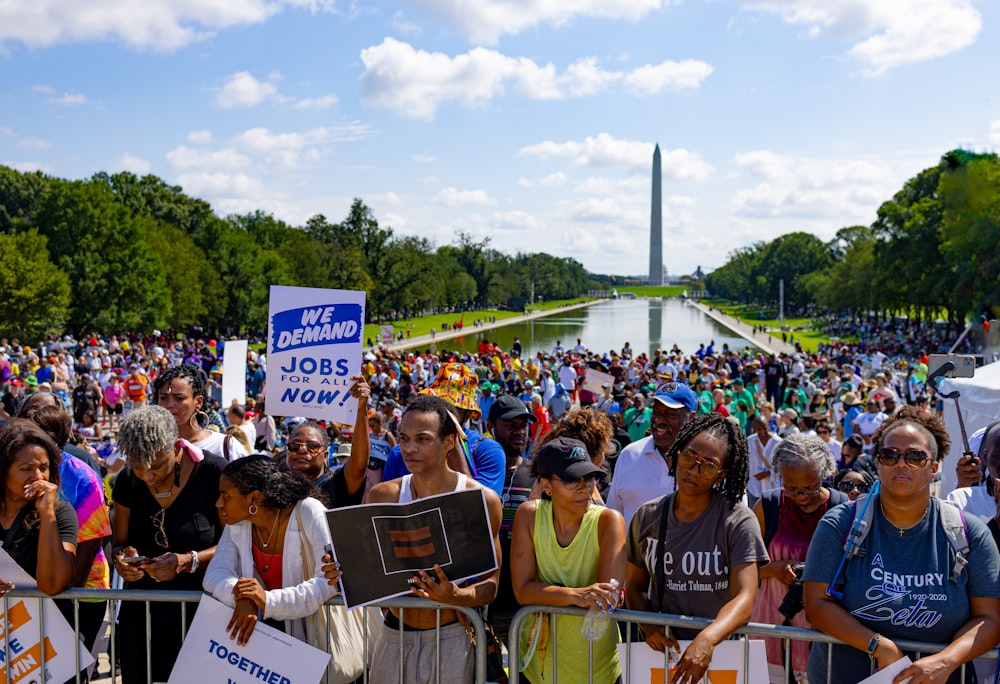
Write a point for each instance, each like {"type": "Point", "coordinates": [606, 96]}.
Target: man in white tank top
{"type": "Point", "coordinates": [427, 434]}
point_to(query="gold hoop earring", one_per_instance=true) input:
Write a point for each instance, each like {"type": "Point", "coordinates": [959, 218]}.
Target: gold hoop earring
{"type": "Point", "coordinates": [254, 509]}
{"type": "Point", "coordinates": [199, 419]}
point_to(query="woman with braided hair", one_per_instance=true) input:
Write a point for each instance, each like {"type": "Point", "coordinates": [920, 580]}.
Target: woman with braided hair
{"type": "Point", "coordinates": [181, 390]}
{"type": "Point", "coordinates": [699, 539]}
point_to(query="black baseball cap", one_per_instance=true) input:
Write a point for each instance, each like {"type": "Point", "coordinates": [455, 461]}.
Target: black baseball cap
{"type": "Point", "coordinates": [508, 407]}
{"type": "Point", "coordinates": [567, 459]}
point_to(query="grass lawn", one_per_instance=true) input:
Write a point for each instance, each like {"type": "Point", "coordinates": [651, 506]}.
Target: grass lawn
{"type": "Point", "coordinates": [800, 327]}
{"type": "Point", "coordinates": [654, 290]}
{"type": "Point", "coordinates": [421, 325]}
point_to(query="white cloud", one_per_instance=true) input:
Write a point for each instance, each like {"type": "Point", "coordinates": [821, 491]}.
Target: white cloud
{"type": "Point", "coordinates": [424, 158]}
{"type": "Point", "coordinates": [221, 184]}
{"type": "Point", "coordinates": [29, 166]}
{"type": "Point", "coordinates": [34, 143]}
{"type": "Point", "coordinates": [387, 198]}
{"type": "Point", "coordinates": [453, 197]}
{"type": "Point", "coordinates": [395, 220]}
{"type": "Point", "coordinates": [844, 191]}
{"type": "Point", "coordinates": [514, 220]}
{"type": "Point", "coordinates": [44, 89]}
{"type": "Point", "coordinates": [553, 180]}
{"type": "Point", "coordinates": [137, 165]}
{"type": "Point", "coordinates": [403, 25]}
{"type": "Point", "coordinates": [605, 150]}
{"type": "Point", "coordinates": [185, 158]}
{"type": "Point", "coordinates": [484, 21]}
{"type": "Point", "coordinates": [297, 150]}
{"type": "Point", "coordinates": [889, 33]}
{"type": "Point", "coordinates": [324, 102]}
{"type": "Point", "coordinates": [600, 185]}
{"type": "Point", "coordinates": [243, 90]}
{"type": "Point", "coordinates": [416, 82]}
{"type": "Point", "coordinates": [202, 137]}
{"type": "Point", "coordinates": [8, 132]}
{"type": "Point", "coordinates": [69, 99]}
{"type": "Point", "coordinates": [995, 133]}
{"type": "Point", "coordinates": [157, 24]}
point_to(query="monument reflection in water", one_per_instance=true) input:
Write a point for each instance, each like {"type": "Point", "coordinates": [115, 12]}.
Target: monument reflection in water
{"type": "Point", "coordinates": [647, 324]}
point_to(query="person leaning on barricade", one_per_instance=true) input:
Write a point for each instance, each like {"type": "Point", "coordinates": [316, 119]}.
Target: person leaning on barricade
{"type": "Point", "coordinates": [267, 565]}
{"type": "Point", "coordinates": [165, 530]}
{"type": "Point", "coordinates": [923, 572]}
{"type": "Point", "coordinates": [703, 518]}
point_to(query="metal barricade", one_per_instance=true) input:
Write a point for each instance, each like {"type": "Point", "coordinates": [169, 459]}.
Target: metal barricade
{"type": "Point", "coordinates": [114, 596]}
{"type": "Point", "coordinates": [631, 619]}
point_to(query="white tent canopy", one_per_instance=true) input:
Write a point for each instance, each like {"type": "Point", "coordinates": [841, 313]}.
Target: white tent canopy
{"type": "Point", "coordinates": [980, 404]}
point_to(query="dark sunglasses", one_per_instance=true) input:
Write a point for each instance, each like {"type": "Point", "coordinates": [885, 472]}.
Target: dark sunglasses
{"type": "Point", "coordinates": [311, 447]}
{"type": "Point", "coordinates": [915, 458]}
{"type": "Point", "coordinates": [847, 487]}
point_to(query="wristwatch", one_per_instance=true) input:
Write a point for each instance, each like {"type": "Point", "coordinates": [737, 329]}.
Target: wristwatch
{"type": "Point", "coordinates": [873, 645]}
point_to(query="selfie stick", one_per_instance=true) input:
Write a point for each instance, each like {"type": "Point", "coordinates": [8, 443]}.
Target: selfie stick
{"type": "Point", "coordinates": [932, 380]}
{"type": "Point", "coordinates": [856, 531]}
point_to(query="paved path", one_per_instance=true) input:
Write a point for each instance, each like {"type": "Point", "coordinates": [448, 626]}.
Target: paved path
{"type": "Point", "coordinates": [441, 336]}
{"type": "Point", "coordinates": [765, 341]}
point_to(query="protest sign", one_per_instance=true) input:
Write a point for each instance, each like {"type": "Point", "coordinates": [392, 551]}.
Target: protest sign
{"type": "Point", "coordinates": [22, 621]}
{"type": "Point", "coordinates": [387, 335]}
{"type": "Point", "coordinates": [649, 667]}
{"type": "Point", "coordinates": [313, 349]}
{"type": "Point", "coordinates": [888, 674]}
{"type": "Point", "coordinates": [234, 373]}
{"type": "Point", "coordinates": [381, 546]}
{"type": "Point", "coordinates": [208, 655]}
{"type": "Point", "coordinates": [595, 379]}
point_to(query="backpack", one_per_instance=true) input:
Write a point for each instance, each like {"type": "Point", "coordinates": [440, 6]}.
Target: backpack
{"type": "Point", "coordinates": [952, 524]}
{"type": "Point", "coordinates": [770, 503]}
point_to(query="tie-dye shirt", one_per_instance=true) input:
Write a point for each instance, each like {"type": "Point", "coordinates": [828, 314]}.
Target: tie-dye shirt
{"type": "Point", "coordinates": [85, 493]}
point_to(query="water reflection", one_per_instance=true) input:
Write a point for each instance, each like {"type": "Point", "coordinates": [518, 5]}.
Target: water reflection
{"type": "Point", "coordinates": [646, 324]}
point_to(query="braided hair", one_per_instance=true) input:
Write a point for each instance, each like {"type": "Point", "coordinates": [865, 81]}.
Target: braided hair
{"type": "Point", "coordinates": [737, 461]}
{"type": "Point", "coordinates": [190, 372]}
{"type": "Point", "coordinates": [278, 488]}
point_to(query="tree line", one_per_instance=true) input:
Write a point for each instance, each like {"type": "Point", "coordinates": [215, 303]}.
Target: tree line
{"type": "Point", "coordinates": [933, 248]}
{"type": "Point", "coordinates": [118, 252]}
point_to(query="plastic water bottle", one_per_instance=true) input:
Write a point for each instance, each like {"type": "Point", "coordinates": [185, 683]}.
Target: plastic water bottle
{"type": "Point", "coordinates": [596, 622]}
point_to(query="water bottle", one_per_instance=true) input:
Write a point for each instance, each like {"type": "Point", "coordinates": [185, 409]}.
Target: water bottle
{"type": "Point", "coordinates": [596, 622]}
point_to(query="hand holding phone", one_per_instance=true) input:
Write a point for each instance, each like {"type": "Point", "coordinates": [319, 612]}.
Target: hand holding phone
{"type": "Point", "coordinates": [135, 559]}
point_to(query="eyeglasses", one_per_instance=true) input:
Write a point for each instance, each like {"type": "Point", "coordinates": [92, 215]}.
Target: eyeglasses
{"type": "Point", "coordinates": [311, 447]}
{"type": "Point", "coordinates": [847, 487]}
{"type": "Point", "coordinates": [706, 469]}
{"type": "Point", "coordinates": [588, 481]}
{"type": "Point", "coordinates": [375, 465]}
{"type": "Point", "coordinates": [160, 537]}
{"type": "Point", "coordinates": [802, 493]}
{"type": "Point", "coordinates": [915, 458]}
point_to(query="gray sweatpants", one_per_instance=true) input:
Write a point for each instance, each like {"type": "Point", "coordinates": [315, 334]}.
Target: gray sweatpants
{"type": "Point", "coordinates": [420, 656]}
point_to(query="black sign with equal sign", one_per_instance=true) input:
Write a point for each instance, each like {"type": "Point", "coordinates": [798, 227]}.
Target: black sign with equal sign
{"type": "Point", "coordinates": [381, 546]}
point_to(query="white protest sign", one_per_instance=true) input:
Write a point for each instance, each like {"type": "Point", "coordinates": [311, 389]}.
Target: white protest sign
{"type": "Point", "coordinates": [886, 675]}
{"type": "Point", "coordinates": [594, 380]}
{"type": "Point", "coordinates": [208, 655]}
{"type": "Point", "coordinates": [234, 373]}
{"type": "Point", "coordinates": [25, 648]}
{"type": "Point", "coordinates": [313, 349]}
{"type": "Point", "coordinates": [648, 666]}
{"type": "Point", "coordinates": [387, 335]}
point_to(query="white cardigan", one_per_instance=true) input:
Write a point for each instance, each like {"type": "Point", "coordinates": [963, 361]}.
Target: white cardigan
{"type": "Point", "coordinates": [302, 595]}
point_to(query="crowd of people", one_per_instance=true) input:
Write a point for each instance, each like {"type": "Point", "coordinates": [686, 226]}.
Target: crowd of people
{"type": "Point", "coordinates": [714, 483]}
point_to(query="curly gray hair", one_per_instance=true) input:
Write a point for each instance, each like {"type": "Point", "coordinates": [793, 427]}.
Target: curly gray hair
{"type": "Point", "coordinates": [144, 432]}
{"type": "Point", "coordinates": [806, 450]}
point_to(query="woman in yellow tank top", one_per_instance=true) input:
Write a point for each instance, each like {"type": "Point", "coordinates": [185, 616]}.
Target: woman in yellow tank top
{"type": "Point", "coordinates": [565, 552]}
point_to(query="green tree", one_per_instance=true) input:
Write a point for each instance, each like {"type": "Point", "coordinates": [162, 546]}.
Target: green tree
{"type": "Point", "coordinates": [118, 280]}
{"type": "Point", "coordinates": [34, 292]}
{"type": "Point", "coordinates": [19, 196]}
{"type": "Point", "coordinates": [196, 293]}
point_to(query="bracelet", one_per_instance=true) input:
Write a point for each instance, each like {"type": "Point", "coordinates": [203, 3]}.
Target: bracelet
{"type": "Point", "coordinates": [873, 645]}
{"type": "Point", "coordinates": [194, 561]}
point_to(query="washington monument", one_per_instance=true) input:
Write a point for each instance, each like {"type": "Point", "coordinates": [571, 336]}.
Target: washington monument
{"type": "Point", "coordinates": [656, 225]}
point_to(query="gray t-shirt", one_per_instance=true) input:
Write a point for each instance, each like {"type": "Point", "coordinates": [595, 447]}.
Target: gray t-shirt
{"type": "Point", "coordinates": [697, 555]}
{"type": "Point", "coordinates": [900, 586]}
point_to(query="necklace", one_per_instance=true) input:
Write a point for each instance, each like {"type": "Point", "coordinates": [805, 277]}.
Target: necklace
{"type": "Point", "coordinates": [901, 530]}
{"type": "Point", "coordinates": [175, 483]}
{"type": "Point", "coordinates": [268, 556]}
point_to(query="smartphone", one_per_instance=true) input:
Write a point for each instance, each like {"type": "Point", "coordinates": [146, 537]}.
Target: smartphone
{"type": "Point", "coordinates": [965, 366]}
{"type": "Point", "coordinates": [135, 559]}
{"type": "Point", "coordinates": [328, 550]}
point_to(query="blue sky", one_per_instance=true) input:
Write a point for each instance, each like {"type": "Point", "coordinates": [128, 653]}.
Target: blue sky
{"type": "Point", "coordinates": [531, 123]}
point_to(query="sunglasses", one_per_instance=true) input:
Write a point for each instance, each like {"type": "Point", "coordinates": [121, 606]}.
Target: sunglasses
{"type": "Point", "coordinates": [160, 536]}
{"type": "Point", "coordinates": [847, 487]}
{"type": "Point", "coordinates": [375, 465]}
{"type": "Point", "coordinates": [311, 447]}
{"type": "Point", "coordinates": [915, 458]}
{"type": "Point", "coordinates": [588, 481]}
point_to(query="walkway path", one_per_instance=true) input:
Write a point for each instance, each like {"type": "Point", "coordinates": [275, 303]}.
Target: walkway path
{"type": "Point", "coordinates": [441, 336]}
{"type": "Point", "coordinates": [765, 341]}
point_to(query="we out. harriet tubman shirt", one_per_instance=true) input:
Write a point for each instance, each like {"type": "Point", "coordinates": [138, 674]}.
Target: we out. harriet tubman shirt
{"type": "Point", "coordinates": [697, 556]}
{"type": "Point", "coordinates": [899, 587]}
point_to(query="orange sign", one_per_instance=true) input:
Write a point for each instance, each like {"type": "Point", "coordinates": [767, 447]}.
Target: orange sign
{"type": "Point", "coordinates": [714, 676]}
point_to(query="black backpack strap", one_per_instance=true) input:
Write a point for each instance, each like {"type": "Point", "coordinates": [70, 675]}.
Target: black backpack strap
{"type": "Point", "coordinates": [770, 504]}
{"type": "Point", "coordinates": [661, 579]}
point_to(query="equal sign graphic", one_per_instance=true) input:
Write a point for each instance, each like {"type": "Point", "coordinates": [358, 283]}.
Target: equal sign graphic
{"type": "Point", "coordinates": [418, 543]}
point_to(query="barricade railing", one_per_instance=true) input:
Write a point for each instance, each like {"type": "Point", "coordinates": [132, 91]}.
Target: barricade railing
{"type": "Point", "coordinates": [631, 619]}
{"type": "Point", "coordinates": [113, 596]}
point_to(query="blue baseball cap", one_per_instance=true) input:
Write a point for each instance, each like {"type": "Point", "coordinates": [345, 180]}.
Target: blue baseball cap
{"type": "Point", "coordinates": [676, 395]}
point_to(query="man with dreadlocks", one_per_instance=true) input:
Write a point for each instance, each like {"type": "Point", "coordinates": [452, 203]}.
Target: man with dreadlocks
{"type": "Point", "coordinates": [696, 551]}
